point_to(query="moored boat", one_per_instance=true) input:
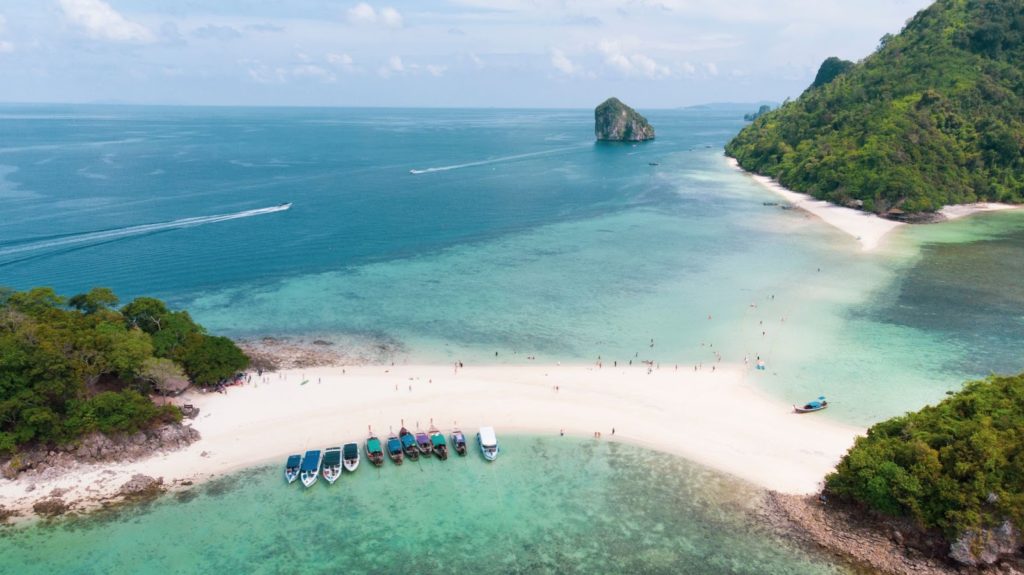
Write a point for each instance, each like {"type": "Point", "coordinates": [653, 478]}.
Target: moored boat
{"type": "Point", "coordinates": [395, 449]}
{"type": "Point", "coordinates": [423, 444]}
{"type": "Point", "coordinates": [409, 444]}
{"type": "Point", "coordinates": [438, 443]}
{"type": "Point", "coordinates": [331, 466]}
{"type": "Point", "coordinates": [310, 469]}
{"type": "Point", "coordinates": [291, 468]}
{"type": "Point", "coordinates": [459, 441]}
{"type": "Point", "coordinates": [374, 452]}
{"type": "Point", "coordinates": [350, 456]}
{"type": "Point", "coordinates": [812, 406]}
{"type": "Point", "coordinates": [488, 443]}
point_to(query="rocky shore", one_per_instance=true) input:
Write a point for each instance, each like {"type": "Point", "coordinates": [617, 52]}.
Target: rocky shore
{"type": "Point", "coordinates": [41, 466]}
{"type": "Point", "coordinates": [275, 353]}
{"type": "Point", "coordinates": [881, 545]}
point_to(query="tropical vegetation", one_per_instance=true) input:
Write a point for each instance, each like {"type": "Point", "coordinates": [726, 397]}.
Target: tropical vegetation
{"type": "Point", "coordinates": [934, 116]}
{"type": "Point", "coordinates": [954, 467]}
{"type": "Point", "coordinates": [78, 365]}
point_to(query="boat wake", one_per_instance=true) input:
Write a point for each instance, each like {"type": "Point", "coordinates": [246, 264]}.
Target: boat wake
{"type": "Point", "coordinates": [494, 160]}
{"type": "Point", "coordinates": [104, 236]}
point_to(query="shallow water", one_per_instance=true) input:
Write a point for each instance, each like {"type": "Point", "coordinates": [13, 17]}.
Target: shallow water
{"type": "Point", "coordinates": [525, 239]}
{"type": "Point", "coordinates": [548, 505]}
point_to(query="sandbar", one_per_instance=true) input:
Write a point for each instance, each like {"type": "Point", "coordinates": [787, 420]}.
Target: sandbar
{"type": "Point", "coordinates": [717, 418]}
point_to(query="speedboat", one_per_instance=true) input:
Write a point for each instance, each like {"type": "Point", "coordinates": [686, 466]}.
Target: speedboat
{"type": "Point", "coordinates": [488, 443]}
{"type": "Point", "coordinates": [423, 444]}
{"type": "Point", "coordinates": [459, 441]}
{"type": "Point", "coordinates": [350, 456]}
{"type": "Point", "coordinates": [310, 468]}
{"type": "Point", "coordinates": [395, 449]}
{"type": "Point", "coordinates": [291, 468]}
{"type": "Point", "coordinates": [331, 466]}
{"type": "Point", "coordinates": [409, 444]}
{"type": "Point", "coordinates": [373, 450]}
{"type": "Point", "coordinates": [812, 406]}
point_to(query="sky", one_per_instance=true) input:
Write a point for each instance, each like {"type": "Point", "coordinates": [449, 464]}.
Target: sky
{"type": "Point", "coordinates": [423, 53]}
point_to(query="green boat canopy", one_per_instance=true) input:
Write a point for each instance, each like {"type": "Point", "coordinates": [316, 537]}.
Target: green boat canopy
{"type": "Point", "coordinates": [437, 440]}
{"type": "Point", "coordinates": [373, 445]}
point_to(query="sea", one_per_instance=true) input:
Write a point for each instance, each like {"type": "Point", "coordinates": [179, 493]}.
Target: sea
{"type": "Point", "coordinates": [486, 236]}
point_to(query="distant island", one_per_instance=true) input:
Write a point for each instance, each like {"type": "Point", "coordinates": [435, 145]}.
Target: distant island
{"type": "Point", "coordinates": [617, 122]}
{"type": "Point", "coordinates": [764, 109]}
{"type": "Point", "coordinates": [934, 117]}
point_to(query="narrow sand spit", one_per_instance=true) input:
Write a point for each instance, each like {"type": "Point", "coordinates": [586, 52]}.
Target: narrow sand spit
{"type": "Point", "coordinates": [719, 419]}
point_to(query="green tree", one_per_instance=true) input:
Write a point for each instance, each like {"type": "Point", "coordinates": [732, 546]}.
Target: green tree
{"type": "Point", "coordinates": [210, 359]}
{"type": "Point", "coordinates": [94, 300]}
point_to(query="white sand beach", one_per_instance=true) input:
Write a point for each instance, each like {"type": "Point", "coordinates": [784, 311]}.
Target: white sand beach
{"type": "Point", "coordinates": [718, 418]}
{"type": "Point", "coordinates": [868, 229]}
{"type": "Point", "coordinates": [960, 211]}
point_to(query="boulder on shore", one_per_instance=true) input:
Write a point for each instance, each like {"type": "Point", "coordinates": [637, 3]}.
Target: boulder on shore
{"type": "Point", "coordinates": [617, 122]}
{"type": "Point", "coordinates": [986, 546]}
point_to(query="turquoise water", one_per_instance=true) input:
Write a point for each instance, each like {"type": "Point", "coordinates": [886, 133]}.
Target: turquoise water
{"type": "Point", "coordinates": [548, 505]}
{"type": "Point", "coordinates": [518, 235]}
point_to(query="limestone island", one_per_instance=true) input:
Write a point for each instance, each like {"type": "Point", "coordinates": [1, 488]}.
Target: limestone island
{"type": "Point", "coordinates": [617, 122]}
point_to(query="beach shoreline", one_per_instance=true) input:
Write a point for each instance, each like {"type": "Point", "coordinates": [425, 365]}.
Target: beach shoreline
{"type": "Point", "coordinates": [868, 229]}
{"type": "Point", "coordinates": [714, 416]}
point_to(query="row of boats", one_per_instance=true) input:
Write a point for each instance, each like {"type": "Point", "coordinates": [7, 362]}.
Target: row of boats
{"type": "Point", "coordinates": [330, 462]}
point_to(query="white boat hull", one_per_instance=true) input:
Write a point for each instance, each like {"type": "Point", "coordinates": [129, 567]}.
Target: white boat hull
{"type": "Point", "coordinates": [308, 479]}
{"type": "Point", "coordinates": [351, 465]}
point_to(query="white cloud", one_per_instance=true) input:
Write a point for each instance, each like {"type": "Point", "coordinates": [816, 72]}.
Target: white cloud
{"type": "Point", "coordinates": [711, 68]}
{"type": "Point", "coordinates": [562, 63]}
{"type": "Point", "coordinates": [390, 17]}
{"type": "Point", "coordinates": [342, 61]}
{"type": "Point", "coordinates": [313, 72]}
{"type": "Point", "coordinates": [631, 63]}
{"type": "Point", "coordinates": [688, 68]}
{"type": "Point", "coordinates": [363, 13]}
{"type": "Point", "coordinates": [393, 66]}
{"type": "Point", "coordinates": [436, 70]}
{"type": "Point", "coordinates": [102, 22]}
{"type": "Point", "coordinates": [3, 23]}
{"type": "Point", "coordinates": [6, 47]}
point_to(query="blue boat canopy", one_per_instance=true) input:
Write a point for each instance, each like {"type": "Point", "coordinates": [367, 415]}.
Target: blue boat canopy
{"type": "Point", "coordinates": [311, 461]}
{"type": "Point", "coordinates": [408, 440]}
{"type": "Point", "coordinates": [351, 450]}
{"type": "Point", "coordinates": [293, 461]}
{"type": "Point", "coordinates": [394, 445]}
{"type": "Point", "coordinates": [332, 457]}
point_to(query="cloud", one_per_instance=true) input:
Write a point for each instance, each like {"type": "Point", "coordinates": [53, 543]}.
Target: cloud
{"type": "Point", "coordinates": [562, 63]}
{"type": "Point", "coordinates": [631, 63]}
{"type": "Point", "coordinates": [102, 22]}
{"type": "Point", "coordinates": [711, 68]}
{"type": "Point", "coordinates": [393, 66]}
{"type": "Point", "coordinates": [391, 17]}
{"type": "Point", "coordinates": [313, 72]}
{"type": "Point", "coordinates": [214, 32]}
{"type": "Point", "coordinates": [342, 61]}
{"type": "Point", "coordinates": [435, 70]}
{"type": "Point", "coordinates": [3, 23]}
{"type": "Point", "coordinates": [264, 28]}
{"type": "Point", "coordinates": [363, 13]}
{"type": "Point", "coordinates": [6, 47]}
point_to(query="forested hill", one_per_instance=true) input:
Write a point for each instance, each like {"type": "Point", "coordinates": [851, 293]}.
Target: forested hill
{"type": "Point", "coordinates": [934, 116]}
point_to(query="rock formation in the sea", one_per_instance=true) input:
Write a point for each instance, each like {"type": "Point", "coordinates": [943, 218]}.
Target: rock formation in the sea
{"type": "Point", "coordinates": [617, 122]}
{"type": "Point", "coordinates": [934, 117]}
